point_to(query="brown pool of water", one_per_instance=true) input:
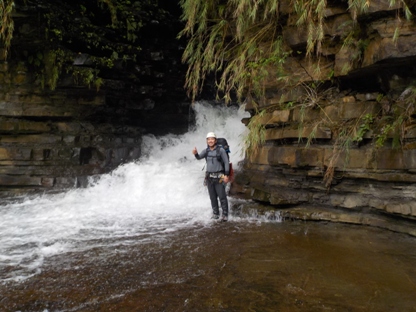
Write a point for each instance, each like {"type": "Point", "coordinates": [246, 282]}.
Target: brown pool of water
{"type": "Point", "coordinates": [234, 266]}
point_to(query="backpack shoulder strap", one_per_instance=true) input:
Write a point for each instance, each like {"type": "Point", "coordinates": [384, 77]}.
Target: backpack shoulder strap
{"type": "Point", "coordinates": [218, 153]}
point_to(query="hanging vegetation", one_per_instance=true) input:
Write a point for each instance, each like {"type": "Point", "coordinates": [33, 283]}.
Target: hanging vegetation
{"type": "Point", "coordinates": [6, 24]}
{"type": "Point", "coordinates": [240, 42]}
{"type": "Point", "coordinates": [236, 40]}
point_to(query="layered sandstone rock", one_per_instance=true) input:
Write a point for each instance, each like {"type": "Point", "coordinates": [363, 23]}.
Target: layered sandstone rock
{"type": "Point", "coordinates": [314, 152]}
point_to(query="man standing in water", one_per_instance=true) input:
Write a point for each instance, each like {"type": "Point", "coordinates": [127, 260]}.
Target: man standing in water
{"type": "Point", "coordinates": [217, 175]}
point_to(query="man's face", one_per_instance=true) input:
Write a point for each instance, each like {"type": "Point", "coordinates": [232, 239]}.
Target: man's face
{"type": "Point", "coordinates": [211, 141]}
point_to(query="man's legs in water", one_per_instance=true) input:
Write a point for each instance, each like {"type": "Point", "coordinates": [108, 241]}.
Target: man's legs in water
{"type": "Point", "coordinates": [220, 190]}
{"type": "Point", "coordinates": [213, 196]}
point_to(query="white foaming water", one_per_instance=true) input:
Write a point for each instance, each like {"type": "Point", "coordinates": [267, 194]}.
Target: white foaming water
{"type": "Point", "coordinates": [160, 193]}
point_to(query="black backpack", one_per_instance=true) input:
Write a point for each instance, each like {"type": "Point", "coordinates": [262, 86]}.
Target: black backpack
{"type": "Point", "coordinates": [224, 144]}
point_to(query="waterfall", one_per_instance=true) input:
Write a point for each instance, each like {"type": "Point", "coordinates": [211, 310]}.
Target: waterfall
{"type": "Point", "coordinates": [157, 194]}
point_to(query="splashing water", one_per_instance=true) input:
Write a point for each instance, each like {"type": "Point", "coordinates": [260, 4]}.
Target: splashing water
{"type": "Point", "coordinates": [160, 193]}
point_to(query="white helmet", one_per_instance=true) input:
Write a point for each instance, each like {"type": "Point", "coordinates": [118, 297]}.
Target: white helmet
{"type": "Point", "coordinates": [211, 135]}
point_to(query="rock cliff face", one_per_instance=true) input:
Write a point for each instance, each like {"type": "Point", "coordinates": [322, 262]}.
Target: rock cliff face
{"type": "Point", "coordinates": [54, 139]}
{"type": "Point", "coordinates": [344, 137]}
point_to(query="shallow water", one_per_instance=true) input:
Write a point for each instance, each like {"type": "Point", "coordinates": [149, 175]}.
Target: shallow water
{"type": "Point", "coordinates": [234, 266]}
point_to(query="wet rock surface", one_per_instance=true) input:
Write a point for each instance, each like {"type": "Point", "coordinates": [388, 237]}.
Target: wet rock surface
{"type": "Point", "coordinates": [234, 266]}
{"type": "Point", "coordinates": [331, 138]}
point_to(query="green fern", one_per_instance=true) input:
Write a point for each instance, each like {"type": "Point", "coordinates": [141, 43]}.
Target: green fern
{"type": "Point", "coordinates": [256, 136]}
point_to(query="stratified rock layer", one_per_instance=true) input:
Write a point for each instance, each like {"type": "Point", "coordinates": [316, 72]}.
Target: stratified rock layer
{"type": "Point", "coordinates": [344, 136]}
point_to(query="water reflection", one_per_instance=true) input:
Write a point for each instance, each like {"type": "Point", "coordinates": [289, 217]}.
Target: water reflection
{"type": "Point", "coordinates": [239, 266]}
